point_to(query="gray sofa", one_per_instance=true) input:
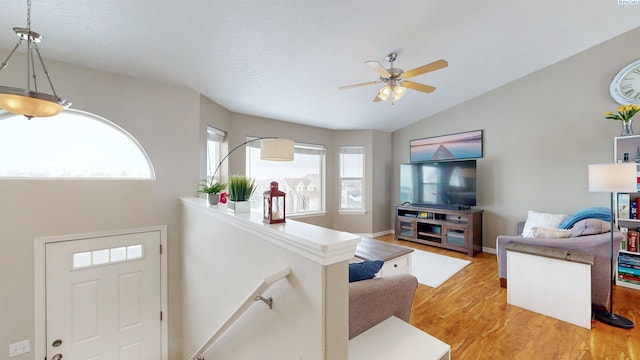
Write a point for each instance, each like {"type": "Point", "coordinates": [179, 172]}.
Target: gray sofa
{"type": "Point", "coordinates": [597, 245]}
{"type": "Point", "coordinates": [373, 301]}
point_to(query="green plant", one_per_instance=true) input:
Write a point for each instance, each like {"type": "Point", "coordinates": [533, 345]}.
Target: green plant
{"type": "Point", "coordinates": [625, 112]}
{"type": "Point", "coordinates": [206, 187]}
{"type": "Point", "coordinates": [241, 187]}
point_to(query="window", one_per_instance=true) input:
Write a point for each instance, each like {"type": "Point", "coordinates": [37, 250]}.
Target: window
{"type": "Point", "coordinates": [301, 179]}
{"type": "Point", "coordinates": [215, 138]}
{"type": "Point", "coordinates": [351, 177]}
{"type": "Point", "coordinates": [72, 144]}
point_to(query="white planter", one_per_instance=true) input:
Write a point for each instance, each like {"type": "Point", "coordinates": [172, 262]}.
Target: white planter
{"type": "Point", "coordinates": [238, 207]}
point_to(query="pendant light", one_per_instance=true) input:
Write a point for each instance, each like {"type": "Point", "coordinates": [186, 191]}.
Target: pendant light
{"type": "Point", "coordinates": [30, 102]}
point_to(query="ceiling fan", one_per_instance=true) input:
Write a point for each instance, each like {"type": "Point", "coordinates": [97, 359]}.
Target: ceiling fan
{"type": "Point", "coordinates": [395, 79]}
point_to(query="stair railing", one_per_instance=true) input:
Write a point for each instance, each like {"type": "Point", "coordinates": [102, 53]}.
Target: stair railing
{"type": "Point", "coordinates": [256, 295]}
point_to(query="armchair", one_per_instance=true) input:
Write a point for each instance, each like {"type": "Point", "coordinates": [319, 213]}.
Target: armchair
{"type": "Point", "coordinates": [374, 300]}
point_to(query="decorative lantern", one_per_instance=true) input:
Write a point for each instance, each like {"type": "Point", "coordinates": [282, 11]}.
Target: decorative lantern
{"type": "Point", "coordinates": [273, 205]}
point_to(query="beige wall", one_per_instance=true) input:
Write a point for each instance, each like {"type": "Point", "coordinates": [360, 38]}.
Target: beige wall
{"type": "Point", "coordinates": [540, 133]}
{"type": "Point", "coordinates": [170, 124]}
{"type": "Point", "coordinates": [165, 120]}
{"type": "Point", "coordinates": [377, 182]}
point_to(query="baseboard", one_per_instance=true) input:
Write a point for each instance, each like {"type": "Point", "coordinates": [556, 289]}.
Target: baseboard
{"type": "Point", "coordinates": [380, 233]}
{"type": "Point", "coordinates": [489, 250]}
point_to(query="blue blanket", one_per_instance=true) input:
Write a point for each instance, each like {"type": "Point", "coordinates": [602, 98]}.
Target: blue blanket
{"type": "Point", "coordinates": [601, 213]}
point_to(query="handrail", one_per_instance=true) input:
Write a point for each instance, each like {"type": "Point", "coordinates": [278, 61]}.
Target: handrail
{"type": "Point", "coordinates": [256, 295]}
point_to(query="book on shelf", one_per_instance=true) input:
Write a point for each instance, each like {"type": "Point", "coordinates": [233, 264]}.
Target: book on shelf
{"type": "Point", "coordinates": [632, 280]}
{"type": "Point", "coordinates": [632, 240]}
{"type": "Point", "coordinates": [634, 210]}
{"type": "Point", "coordinates": [629, 259]}
{"type": "Point", "coordinates": [624, 210]}
{"type": "Point", "coordinates": [629, 270]}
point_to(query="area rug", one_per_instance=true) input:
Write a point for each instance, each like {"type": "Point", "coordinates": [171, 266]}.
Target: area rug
{"type": "Point", "coordinates": [434, 269]}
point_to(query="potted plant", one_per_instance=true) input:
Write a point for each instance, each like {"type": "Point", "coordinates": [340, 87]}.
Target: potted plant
{"type": "Point", "coordinates": [212, 189]}
{"type": "Point", "coordinates": [240, 190]}
{"type": "Point", "coordinates": [624, 115]}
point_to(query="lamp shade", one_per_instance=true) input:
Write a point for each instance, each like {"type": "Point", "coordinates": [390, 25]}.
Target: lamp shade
{"type": "Point", "coordinates": [276, 149]}
{"type": "Point", "coordinates": [613, 177]}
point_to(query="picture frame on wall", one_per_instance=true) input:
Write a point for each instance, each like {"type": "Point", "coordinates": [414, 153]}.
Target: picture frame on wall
{"type": "Point", "coordinates": [464, 145]}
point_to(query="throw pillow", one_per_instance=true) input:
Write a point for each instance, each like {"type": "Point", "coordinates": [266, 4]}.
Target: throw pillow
{"type": "Point", "coordinates": [535, 218]}
{"type": "Point", "coordinates": [543, 232]}
{"type": "Point", "coordinates": [364, 270]}
{"type": "Point", "coordinates": [590, 227]}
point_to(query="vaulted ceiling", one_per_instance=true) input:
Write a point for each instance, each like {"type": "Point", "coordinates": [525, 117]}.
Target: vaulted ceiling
{"type": "Point", "coordinates": [285, 59]}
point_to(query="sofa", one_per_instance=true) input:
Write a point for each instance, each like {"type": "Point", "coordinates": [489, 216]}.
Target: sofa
{"type": "Point", "coordinates": [374, 300]}
{"type": "Point", "coordinates": [598, 245]}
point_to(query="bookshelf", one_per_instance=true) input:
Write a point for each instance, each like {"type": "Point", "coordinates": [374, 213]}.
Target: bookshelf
{"type": "Point", "coordinates": [627, 216]}
{"type": "Point", "coordinates": [626, 204]}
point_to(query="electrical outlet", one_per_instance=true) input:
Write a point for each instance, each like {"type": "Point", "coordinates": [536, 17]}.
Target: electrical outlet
{"type": "Point", "coordinates": [19, 348]}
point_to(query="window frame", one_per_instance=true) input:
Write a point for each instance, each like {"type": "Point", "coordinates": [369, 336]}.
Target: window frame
{"type": "Point", "coordinates": [125, 136]}
{"type": "Point", "coordinates": [299, 148]}
{"type": "Point", "coordinates": [217, 136]}
{"type": "Point", "coordinates": [351, 149]}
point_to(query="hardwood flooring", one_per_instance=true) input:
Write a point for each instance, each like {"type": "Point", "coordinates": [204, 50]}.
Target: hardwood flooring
{"type": "Point", "coordinates": [470, 313]}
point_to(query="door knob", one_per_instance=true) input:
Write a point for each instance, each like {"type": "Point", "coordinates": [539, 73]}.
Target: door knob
{"type": "Point", "coordinates": [56, 343]}
{"type": "Point", "coordinates": [57, 357]}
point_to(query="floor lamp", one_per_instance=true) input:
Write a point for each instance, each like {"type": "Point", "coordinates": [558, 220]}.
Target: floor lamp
{"type": "Point", "coordinates": [271, 149]}
{"type": "Point", "coordinates": [612, 178]}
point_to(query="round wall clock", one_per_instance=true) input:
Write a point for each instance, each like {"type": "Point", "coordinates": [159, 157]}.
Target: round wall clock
{"type": "Point", "coordinates": [625, 86]}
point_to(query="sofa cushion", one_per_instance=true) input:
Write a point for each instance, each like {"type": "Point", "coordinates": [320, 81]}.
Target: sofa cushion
{"type": "Point", "coordinates": [590, 227]}
{"type": "Point", "coordinates": [544, 232]}
{"type": "Point", "coordinates": [535, 218]}
{"type": "Point", "coordinates": [364, 270]}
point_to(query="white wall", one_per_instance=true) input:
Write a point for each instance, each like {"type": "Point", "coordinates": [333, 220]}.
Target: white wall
{"type": "Point", "coordinates": [165, 120]}
{"type": "Point", "coordinates": [227, 257]}
{"type": "Point", "coordinates": [540, 133]}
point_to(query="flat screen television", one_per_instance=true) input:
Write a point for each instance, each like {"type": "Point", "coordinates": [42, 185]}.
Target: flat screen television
{"type": "Point", "coordinates": [445, 184]}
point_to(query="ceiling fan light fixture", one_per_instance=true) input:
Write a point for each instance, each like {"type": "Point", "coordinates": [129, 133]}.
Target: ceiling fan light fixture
{"type": "Point", "coordinates": [399, 91]}
{"type": "Point", "coordinates": [384, 92]}
{"type": "Point", "coordinates": [28, 102]}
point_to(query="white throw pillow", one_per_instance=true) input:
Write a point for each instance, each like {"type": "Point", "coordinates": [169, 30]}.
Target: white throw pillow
{"type": "Point", "coordinates": [544, 232]}
{"type": "Point", "coordinates": [542, 219]}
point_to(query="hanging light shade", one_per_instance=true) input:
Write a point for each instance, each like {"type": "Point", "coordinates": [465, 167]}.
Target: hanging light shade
{"type": "Point", "coordinates": [30, 102]}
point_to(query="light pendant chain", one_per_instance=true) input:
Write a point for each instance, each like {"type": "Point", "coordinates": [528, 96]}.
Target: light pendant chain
{"type": "Point", "coordinates": [29, 17]}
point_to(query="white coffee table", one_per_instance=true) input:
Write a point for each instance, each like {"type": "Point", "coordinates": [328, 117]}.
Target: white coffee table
{"type": "Point", "coordinates": [397, 259]}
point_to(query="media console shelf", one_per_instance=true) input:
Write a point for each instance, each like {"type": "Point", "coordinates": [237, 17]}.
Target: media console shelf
{"type": "Point", "coordinates": [459, 230]}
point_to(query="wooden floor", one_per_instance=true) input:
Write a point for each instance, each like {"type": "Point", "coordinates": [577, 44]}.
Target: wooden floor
{"type": "Point", "coordinates": [470, 313]}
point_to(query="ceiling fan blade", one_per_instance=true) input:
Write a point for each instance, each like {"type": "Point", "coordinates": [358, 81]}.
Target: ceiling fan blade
{"type": "Point", "coordinates": [424, 69]}
{"type": "Point", "coordinates": [378, 68]}
{"type": "Point", "coordinates": [416, 86]}
{"type": "Point", "coordinates": [358, 85]}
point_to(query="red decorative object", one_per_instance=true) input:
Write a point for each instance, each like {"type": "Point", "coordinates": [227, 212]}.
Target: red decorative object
{"type": "Point", "coordinates": [273, 205]}
{"type": "Point", "coordinates": [223, 197]}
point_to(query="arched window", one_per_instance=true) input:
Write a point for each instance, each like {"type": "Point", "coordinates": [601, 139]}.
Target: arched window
{"type": "Point", "coordinates": [73, 144]}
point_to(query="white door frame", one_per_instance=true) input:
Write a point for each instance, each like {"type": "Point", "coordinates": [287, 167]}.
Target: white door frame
{"type": "Point", "coordinates": [40, 300]}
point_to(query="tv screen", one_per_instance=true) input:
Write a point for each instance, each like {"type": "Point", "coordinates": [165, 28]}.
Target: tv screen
{"type": "Point", "coordinates": [451, 183]}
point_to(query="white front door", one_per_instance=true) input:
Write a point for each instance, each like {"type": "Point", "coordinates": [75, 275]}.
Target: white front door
{"type": "Point", "coordinates": [103, 297]}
